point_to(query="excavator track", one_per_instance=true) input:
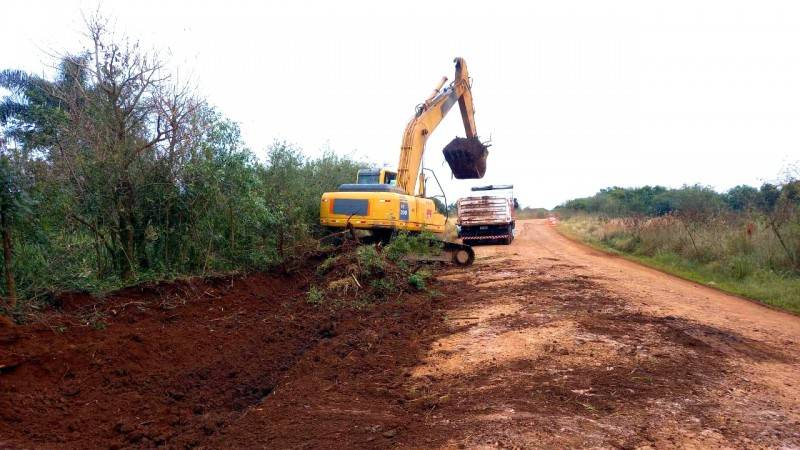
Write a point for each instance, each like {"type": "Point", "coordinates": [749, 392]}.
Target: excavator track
{"type": "Point", "coordinates": [460, 254]}
{"type": "Point", "coordinates": [451, 252]}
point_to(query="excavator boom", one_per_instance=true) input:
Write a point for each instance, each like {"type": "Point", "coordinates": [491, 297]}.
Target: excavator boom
{"type": "Point", "coordinates": [428, 116]}
{"type": "Point", "coordinates": [465, 100]}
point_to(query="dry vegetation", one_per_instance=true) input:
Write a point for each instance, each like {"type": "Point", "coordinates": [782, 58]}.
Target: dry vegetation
{"type": "Point", "coordinates": [731, 252]}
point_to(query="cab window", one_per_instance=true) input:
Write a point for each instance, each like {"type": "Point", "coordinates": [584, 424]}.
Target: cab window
{"type": "Point", "coordinates": [368, 177]}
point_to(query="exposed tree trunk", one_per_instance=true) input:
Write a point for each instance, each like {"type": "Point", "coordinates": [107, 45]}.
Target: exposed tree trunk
{"type": "Point", "coordinates": [232, 228]}
{"type": "Point", "coordinates": [691, 237]}
{"type": "Point", "coordinates": [207, 256]}
{"type": "Point", "coordinates": [130, 249]}
{"type": "Point", "coordinates": [280, 242]}
{"type": "Point", "coordinates": [774, 227]}
{"type": "Point", "coordinates": [11, 285]}
{"type": "Point", "coordinates": [98, 249]}
{"type": "Point", "coordinates": [124, 254]}
{"type": "Point", "coordinates": [127, 230]}
{"type": "Point", "coordinates": [102, 242]}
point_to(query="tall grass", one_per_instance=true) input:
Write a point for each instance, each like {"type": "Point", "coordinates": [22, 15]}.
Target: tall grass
{"type": "Point", "coordinates": [730, 252]}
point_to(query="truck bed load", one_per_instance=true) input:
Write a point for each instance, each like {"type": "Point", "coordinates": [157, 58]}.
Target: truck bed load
{"type": "Point", "coordinates": [483, 211]}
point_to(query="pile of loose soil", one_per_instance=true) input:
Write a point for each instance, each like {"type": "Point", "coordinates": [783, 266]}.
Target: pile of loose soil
{"type": "Point", "coordinates": [176, 364]}
{"type": "Point", "coordinates": [350, 390]}
{"type": "Point", "coordinates": [466, 157]}
{"type": "Point", "coordinates": [355, 274]}
{"type": "Point", "coordinates": [153, 365]}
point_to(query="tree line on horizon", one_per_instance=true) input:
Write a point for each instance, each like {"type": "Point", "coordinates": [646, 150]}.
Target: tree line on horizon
{"type": "Point", "coordinates": [739, 213]}
{"type": "Point", "coordinates": [659, 200]}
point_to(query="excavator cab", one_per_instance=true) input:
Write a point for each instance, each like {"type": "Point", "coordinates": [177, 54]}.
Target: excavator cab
{"type": "Point", "coordinates": [373, 180]}
{"type": "Point", "coordinates": [377, 176]}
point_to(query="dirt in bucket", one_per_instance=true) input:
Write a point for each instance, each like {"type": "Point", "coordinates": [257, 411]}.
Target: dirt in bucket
{"type": "Point", "coordinates": [466, 157]}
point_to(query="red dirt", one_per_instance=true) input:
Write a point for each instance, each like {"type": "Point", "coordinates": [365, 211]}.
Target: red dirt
{"type": "Point", "coordinates": [183, 365]}
{"type": "Point", "coordinates": [171, 364]}
{"type": "Point", "coordinates": [541, 344]}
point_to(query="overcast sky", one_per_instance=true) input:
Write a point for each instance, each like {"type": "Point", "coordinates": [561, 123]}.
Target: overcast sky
{"type": "Point", "coordinates": [575, 95]}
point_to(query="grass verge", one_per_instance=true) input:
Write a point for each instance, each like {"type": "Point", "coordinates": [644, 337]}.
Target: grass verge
{"type": "Point", "coordinates": [761, 285]}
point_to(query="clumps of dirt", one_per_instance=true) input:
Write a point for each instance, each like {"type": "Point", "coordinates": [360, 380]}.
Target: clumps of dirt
{"type": "Point", "coordinates": [593, 371]}
{"type": "Point", "coordinates": [5, 322]}
{"type": "Point", "coordinates": [354, 274]}
{"type": "Point", "coordinates": [168, 364]}
{"type": "Point", "coordinates": [349, 391]}
{"type": "Point", "coordinates": [466, 157]}
{"type": "Point", "coordinates": [196, 363]}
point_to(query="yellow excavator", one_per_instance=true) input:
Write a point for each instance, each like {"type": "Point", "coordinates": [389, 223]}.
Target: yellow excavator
{"type": "Point", "coordinates": [385, 202]}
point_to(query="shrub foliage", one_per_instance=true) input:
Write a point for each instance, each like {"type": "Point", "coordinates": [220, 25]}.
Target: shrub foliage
{"type": "Point", "coordinates": [112, 173]}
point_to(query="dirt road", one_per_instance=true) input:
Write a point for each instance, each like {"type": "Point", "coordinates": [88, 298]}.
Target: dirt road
{"type": "Point", "coordinates": [557, 345]}
{"type": "Point", "coordinates": [541, 344]}
{"type": "Point", "coordinates": [548, 344]}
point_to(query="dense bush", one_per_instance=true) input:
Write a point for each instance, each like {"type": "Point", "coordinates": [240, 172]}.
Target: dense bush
{"type": "Point", "coordinates": [532, 213]}
{"type": "Point", "coordinates": [697, 199]}
{"type": "Point", "coordinates": [111, 174]}
{"type": "Point", "coordinates": [656, 201]}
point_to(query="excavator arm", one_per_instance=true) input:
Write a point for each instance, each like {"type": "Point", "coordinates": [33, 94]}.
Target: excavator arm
{"type": "Point", "coordinates": [465, 99]}
{"type": "Point", "coordinates": [428, 116]}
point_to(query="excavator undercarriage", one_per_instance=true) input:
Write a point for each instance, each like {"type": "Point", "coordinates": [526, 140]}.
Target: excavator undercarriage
{"type": "Point", "coordinates": [441, 251]}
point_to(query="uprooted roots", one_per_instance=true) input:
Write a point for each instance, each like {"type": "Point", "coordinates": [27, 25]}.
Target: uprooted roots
{"type": "Point", "coordinates": [361, 274]}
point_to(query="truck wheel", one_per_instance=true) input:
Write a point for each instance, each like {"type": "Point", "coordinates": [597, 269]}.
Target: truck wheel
{"type": "Point", "coordinates": [510, 237]}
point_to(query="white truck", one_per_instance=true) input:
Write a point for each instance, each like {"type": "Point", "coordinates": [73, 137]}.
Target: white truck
{"type": "Point", "coordinates": [487, 218]}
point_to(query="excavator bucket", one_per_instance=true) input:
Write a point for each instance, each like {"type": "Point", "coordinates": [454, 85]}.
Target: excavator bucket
{"type": "Point", "coordinates": [466, 157]}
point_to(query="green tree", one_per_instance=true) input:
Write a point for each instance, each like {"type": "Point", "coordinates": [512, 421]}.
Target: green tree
{"type": "Point", "coordinates": [742, 198]}
{"type": "Point", "coordinates": [15, 205]}
{"type": "Point", "coordinates": [135, 178]}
